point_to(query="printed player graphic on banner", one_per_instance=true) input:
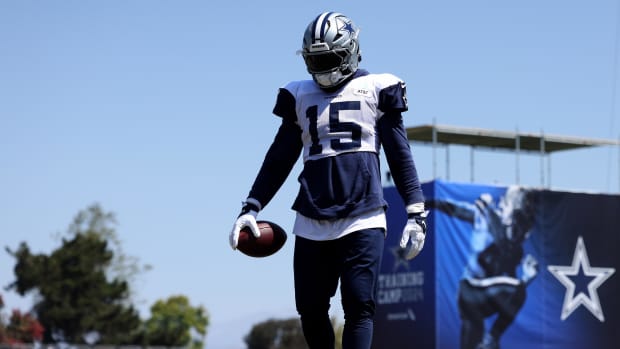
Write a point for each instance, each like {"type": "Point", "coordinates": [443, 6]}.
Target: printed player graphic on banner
{"type": "Point", "coordinates": [504, 267]}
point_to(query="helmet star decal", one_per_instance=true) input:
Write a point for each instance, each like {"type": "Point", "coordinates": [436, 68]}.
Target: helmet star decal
{"type": "Point", "coordinates": [348, 27]}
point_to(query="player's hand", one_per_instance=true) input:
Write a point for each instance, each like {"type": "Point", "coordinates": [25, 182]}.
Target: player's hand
{"type": "Point", "coordinates": [530, 269]}
{"type": "Point", "coordinates": [414, 234]}
{"type": "Point", "coordinates": [247, 218]}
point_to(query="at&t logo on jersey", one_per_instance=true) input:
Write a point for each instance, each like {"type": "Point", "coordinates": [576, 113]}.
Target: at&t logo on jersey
{"type": "Point", "coordinates": [362, 92]}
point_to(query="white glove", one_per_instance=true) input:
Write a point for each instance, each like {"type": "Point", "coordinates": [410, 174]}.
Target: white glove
{"type": "Point", "coordinates": [247, 218]}
{"type": "Point", "coordinates": [414, 233]}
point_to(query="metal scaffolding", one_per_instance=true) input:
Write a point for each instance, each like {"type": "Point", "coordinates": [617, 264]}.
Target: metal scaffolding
{"type": "Point", "coordinates": [542, 143]}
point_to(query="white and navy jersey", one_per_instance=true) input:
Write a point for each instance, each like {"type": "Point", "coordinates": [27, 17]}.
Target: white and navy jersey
{"type": "Point", "coordinates": [344, 120]}
{"type": "Point", "coordinates": [340, 134]}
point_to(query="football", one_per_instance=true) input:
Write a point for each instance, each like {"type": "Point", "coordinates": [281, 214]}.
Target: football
{"type": "Point", "coordinates": [272, 238]}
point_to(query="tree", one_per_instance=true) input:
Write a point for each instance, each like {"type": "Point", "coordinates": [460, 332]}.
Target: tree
{"type": "Point", "coordinates": [276, 334]}
{"type": "Point", "coordinates": [94, 220]}
{"type": "Point", "coordinates": [173, 321]}
{"type": "Point", "coordinates": [285, 334]}
{"type": "Point", "coordinates": [3, 337]}
{"type": "Point", "coordinates": [76, 294]}
{"type": "Point", "coordinates": [21, 328]}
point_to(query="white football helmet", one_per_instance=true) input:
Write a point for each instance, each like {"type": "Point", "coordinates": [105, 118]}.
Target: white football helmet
{"type": "Point", "coordinates": [331, 49]}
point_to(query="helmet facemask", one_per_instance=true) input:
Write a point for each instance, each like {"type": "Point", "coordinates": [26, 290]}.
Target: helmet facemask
{"type": "Point", "coordinates": [330, 49]}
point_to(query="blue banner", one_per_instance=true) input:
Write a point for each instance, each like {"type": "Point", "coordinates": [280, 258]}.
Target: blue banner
{"type": "Point", "coordinates": [406, 290]}
{"type": "Point", "coordinates": [508, 267]}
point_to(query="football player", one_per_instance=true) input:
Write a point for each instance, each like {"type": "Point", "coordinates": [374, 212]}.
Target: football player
{"type": "Point", "coordinates": [490, 284]}
{"type": "Point", "coordinates": [338, 122]}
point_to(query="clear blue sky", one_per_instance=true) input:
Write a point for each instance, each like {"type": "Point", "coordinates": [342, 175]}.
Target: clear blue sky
{"type": "Point", "coordinates": [160, 111]}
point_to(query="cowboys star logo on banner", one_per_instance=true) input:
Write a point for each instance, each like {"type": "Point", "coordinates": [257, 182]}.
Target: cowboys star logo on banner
{"type": "Point", "coordinates": [581, 264]}
{"type": "Point", "coordinates": [399, 258]}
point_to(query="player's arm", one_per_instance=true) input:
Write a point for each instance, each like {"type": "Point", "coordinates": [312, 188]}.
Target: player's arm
{"type": "Point", "coordinates": [282, 154]}
{"type": "Point", "coordinates": [402, 167]}
{"type": "Point", "coordinates": [398, 155]}
{"type": "Point", "coordinates": [392, 101]}
{"type": "Point", "coordinates": [278, 163]}
{"type": "Point", "coordinates": [462, 211]}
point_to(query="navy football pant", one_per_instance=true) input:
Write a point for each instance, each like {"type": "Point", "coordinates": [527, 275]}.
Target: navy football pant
{"type": "Point", "coordinates": [354, 260]}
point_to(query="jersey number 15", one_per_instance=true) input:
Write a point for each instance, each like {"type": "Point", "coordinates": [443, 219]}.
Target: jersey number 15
{"type": "Point", "coordinates": [336, 128]}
